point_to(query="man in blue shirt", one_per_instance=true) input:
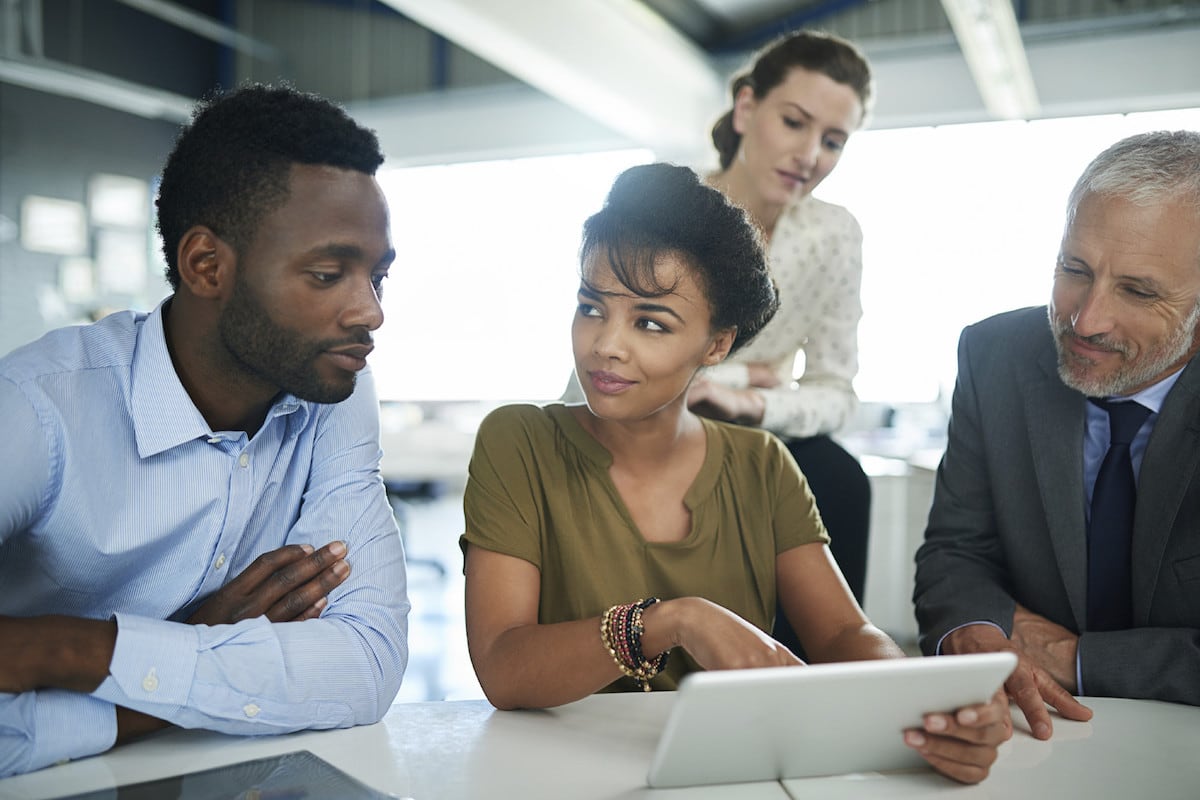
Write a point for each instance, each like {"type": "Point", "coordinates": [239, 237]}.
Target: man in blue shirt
{"type": "Point", "coordinates": [193, 528]}
{"type": "Point", "coordinates": [1066, 516]}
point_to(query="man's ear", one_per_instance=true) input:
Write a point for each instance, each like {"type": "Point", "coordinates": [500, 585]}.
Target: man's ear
{"type": "Point", "coordinates": [719, 347]}
{"type": "Point", "coordinates": [206, 263]}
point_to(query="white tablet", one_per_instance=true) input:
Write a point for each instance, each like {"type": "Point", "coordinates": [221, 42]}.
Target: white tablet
{"type": "Point", "coordinates": [737, 726]}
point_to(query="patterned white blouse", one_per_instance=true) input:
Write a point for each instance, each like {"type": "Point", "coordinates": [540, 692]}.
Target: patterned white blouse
{"type": "Point", "coordinates": [816, 258]}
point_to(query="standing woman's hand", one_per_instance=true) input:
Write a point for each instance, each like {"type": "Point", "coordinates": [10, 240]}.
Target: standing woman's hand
{"type": "Point", "coordinates": [717, 401]}
{"type": "Point", "coordinates": [713, 636]}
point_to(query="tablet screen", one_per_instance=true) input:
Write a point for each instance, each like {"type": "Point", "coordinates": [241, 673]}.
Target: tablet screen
{"type": "Point", "coordinates": [295, 776]}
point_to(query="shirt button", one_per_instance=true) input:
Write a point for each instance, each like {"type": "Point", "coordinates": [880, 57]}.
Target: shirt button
{"type": "Point", "coordinates": [244, 460]}
{"type": "Point", "coordinates": [150, 682]}
{"type": "Point", "coordinates": [251, 710]}
{"type": "Point", "coordinates": [220, 561]}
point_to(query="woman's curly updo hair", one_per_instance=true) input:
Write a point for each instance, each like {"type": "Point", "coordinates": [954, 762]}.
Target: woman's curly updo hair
{"type": "Point", "coordinates": [832, 56]}
{"type": "Point", "coordinates": [655, 210]}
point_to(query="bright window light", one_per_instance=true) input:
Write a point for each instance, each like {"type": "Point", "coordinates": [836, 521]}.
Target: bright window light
{"type": "Point", "coordinates": [960, 222]}
{"type": "Point", "coordinates": [479, 302]}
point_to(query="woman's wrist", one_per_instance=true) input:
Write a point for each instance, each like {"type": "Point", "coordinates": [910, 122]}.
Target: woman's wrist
{"type": "Point", "coordinates": [754, 407]}
{"type": "Point", "coordinates": [664, 622]}
{"type": "Point", "coordinates": [741, 406]}
{"type": "Point", "coordinates": [621, 631]}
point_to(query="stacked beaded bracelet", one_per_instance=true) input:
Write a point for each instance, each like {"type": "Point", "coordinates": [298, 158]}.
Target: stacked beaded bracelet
{"type": "Point", "coordinates": [621, 632]}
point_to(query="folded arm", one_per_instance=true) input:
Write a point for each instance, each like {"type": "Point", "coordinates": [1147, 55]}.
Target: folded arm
{"type": "Point", "coordinates": [59, 663]}
{"type": "Point", "coordinates": [821, 401]}
{"type": "Point", "coordinates": [235, 666]}
{"type": "Point", "coordinates": [825, 325]}
{"type": "Point", "coordinates": [255, 676]}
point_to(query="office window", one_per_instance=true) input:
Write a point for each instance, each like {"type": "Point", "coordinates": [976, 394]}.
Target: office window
{"type": "Point", "coordinates": [959, 222]}
{"type": "Point", "coordinates": [480, 298]}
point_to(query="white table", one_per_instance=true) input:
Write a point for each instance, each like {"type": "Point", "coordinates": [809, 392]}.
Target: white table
{"type": "Point", "coordinates": [1131, 749]}
{"type": "Point", "coordinates": [601, 747]}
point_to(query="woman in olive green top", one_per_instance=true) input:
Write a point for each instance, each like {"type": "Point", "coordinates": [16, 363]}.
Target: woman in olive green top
{"type": "Point", "coordinates": [579, 517]}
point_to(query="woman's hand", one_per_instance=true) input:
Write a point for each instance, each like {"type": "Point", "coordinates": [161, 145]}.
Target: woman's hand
{"type": "Point", "coordinates": [963, 745]}
{"type": "Point", "coordinates": [712, 635]}
{"type": "Point", "coordinates": [717, 401]}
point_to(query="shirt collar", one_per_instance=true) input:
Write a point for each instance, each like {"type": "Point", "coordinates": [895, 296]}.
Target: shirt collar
{"type": "Point", "coordinates": [164, 415]}
{"type": "Point", "coordinates": [1152, 396]}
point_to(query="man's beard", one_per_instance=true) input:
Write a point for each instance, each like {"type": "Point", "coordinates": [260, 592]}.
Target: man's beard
{"type": "Point", "coordinates": [276, 355]}
{"type": "Point", "coordinates": [1129, 375]}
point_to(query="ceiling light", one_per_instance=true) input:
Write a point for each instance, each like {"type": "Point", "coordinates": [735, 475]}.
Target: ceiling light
{"type": "Point", "coordinates": [991, 43]}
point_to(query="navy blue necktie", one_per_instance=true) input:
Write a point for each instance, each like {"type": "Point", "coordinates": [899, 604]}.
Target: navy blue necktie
{"type": "Point", "coordinates": [1110, 533]}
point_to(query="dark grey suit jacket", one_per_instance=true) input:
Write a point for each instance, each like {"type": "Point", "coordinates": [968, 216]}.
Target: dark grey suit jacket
{"type": "Point", "coordinates": [1008, 518]}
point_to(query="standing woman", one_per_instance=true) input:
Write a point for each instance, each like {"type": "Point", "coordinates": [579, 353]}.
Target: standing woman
{"type": "Point", "coordinates": [792, 115]}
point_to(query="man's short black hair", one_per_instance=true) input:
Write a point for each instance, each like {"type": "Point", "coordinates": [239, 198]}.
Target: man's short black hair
{"type": "Point", "coordinates": [230, 166]}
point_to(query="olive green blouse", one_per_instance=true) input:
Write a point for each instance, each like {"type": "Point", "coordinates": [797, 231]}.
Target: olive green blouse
{"type": "Point", "coordinates": [539, 489]}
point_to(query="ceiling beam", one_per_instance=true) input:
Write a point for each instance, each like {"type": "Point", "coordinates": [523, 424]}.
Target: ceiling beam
{"type": "Point", "coordinates": [205, 27]}
{"type": "Point", "coordinates": [760, 35]}
{"type": "Point", "coordinates": [614, 60]}
{"type": "Point", "coordinates": [66, 80]}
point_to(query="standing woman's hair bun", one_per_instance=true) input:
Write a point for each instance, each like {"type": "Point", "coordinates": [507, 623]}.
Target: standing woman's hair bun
{"type": "Point", "coordinates": [724, 137]}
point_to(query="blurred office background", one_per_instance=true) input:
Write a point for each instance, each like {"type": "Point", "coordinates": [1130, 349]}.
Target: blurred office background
{"type": "Point", "coordinates": [504, 122]}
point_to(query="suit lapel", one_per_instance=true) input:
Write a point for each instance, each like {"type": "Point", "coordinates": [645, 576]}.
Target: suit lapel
{"type": "Point", "coordinates": [1168, 468]}
{"type": "Point", "coordinates": [1055, 417]}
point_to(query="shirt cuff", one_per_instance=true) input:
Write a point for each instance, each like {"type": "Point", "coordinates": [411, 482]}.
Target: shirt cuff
{"type": "Point", "coordinates": [778, 417]}
{"type": "Point", "coordinates": [1079, 667]}
{"type": "Point", "coordinates": [938, 651]}
{"type": "Point", "coordinates": [735, 376]}
{"type": "Point", "coordinates": [153, 664]}
{"type": "Point", "coordinates": [70, 725]}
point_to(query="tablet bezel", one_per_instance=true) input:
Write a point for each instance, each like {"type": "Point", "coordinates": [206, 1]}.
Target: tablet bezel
{"type": "Point", "coordinates": [737, 726]}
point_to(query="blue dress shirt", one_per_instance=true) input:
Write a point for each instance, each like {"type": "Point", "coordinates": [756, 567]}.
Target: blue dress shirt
{"type": "Point", "coordinates": [117, 500]}
{"type": "Point", "coordinates": [1096, 434]}
{"type": "Point", "coordinates": [1096, 437]}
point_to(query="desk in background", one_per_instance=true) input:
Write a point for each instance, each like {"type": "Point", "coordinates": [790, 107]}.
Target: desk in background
{"type": "Point", "coordinates": [901, 492]}
{"type": "Point", "coordinates": [601, 747]}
